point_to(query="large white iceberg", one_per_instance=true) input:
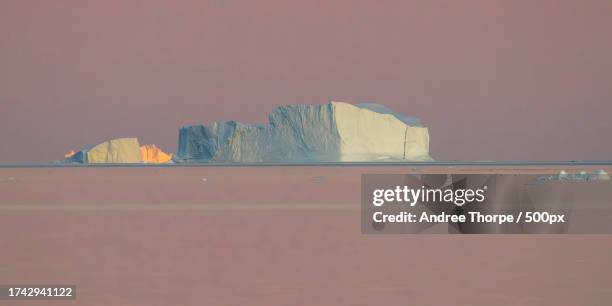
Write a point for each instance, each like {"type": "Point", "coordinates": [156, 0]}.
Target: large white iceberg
{"type": "Point", "coordinates": [336, 131]}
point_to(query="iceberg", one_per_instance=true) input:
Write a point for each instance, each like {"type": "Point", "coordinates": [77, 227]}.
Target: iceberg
{"type": "Point", "coordinates": [154, 155]}
{"type": "Point", "coordinates": [336, 131]}
{"type": "Point", "coordinates": [69, 154]}
{"type": "Point", "coordinates": [114, 151]}
{"type": "Point", "coordinates": [582, 176]}
{"type": "Point", "coordinates": [600, 175]}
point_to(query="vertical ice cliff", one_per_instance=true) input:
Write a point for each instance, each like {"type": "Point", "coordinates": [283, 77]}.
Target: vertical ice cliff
{"type": "Point", "coordinates": [303, 133]}
{"type": "Point", "coordinates": [370, 135]}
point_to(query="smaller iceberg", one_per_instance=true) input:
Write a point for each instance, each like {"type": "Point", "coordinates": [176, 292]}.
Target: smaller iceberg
{"type": "Point", "coordinates": [114, 151]}
{"type": "Point", "coordinates": [153, 155]}
{"type": "Point", "coordinates": [119, 151]}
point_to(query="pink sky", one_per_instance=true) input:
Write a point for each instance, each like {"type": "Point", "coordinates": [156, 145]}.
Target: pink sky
{"type": "Point", "coordinates": [497, 80]}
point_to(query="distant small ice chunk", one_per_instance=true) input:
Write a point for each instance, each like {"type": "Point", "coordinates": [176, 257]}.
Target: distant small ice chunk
{"type": "Point", "coordinates": [600, 175]}
{"type": "Point", "coordinates": [596, 175]}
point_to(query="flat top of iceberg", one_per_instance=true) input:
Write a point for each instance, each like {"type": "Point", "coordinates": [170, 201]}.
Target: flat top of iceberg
{"type": "Point", "coordinates": [381, 109]}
